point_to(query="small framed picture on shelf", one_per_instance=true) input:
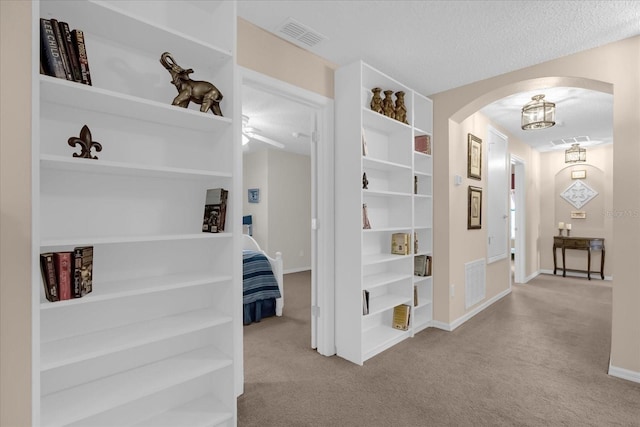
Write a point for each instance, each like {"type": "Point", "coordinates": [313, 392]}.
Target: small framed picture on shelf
{"type": "Point", "coordinates": [474, 157]}
{"type": "Point", "coordinates": [254, 195]}
{"type": "Point", "coordinates": [422, 144]}
{"type": "Point", "coordinates": [474, 215]}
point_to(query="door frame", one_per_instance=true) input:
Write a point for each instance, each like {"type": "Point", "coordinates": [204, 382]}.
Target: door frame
{"type": "Point", "coordinates": [493, 189]}
{"type": "Point", "coordinates": [519, 167]}
{"type": "Point", "coordinates": [322, 225]}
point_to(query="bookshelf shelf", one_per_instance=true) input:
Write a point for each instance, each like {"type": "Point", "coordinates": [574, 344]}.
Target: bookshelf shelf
{"type": "Point", "coordinates": [94, 398]}
{"type": "Point", "coordinates": [73, 350]}
{"type": "Point", "coordinates": [128, 288]}
{"type": "Point", "coordinates": [121, 168]}
{"type": "Point", "coordinates": [394, 171]}
{"type": "Point", "coordinates": [201, 412]}
{"type": "Point", "coordinates": [105, 101]}
{"type": "Point", "coordinates": [87, 241]}
{"type": "Point", "coordinates": [158, 339]}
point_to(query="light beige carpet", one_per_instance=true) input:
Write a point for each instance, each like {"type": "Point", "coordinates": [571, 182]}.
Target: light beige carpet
{"type": "Point", "coordinates": [538, 357]}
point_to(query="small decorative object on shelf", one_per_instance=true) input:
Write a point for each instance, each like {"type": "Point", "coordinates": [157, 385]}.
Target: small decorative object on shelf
{"type": "Point", "coordinates": [365, 302]}
{"type": "Point", "coordinates": [422, 144]}
{"type": "Point", "coordinates": [415, 242]}
{"type": "Point", "coordinates": [376, 100]}
{"type": "Point", "coordinates": [86, 144]}
{"type": "Point", "coordinates": [401, 314]}
{"type": "Point", "coordinates": [568, 227]}
{"type": "Point", "coordinates": [560, 228]}
{"type": "Point", "coordinates": [365, 181]}
{"type": "Point", "coordinates": [203, 93]}
{"type": "Point", "coordinates": [401, 109]}
{"type": "Point", "coordinates": [366, 225]}
{"type": "Point", "coordinates": [215, 210]}
{"type": "Point", "coordinates": [365, 149]}
{"type": "Point", "coordinates": [400, 244]}
{"type": "Point", "coordinates": [415, 184]}
{"type": "Point", "coordinates": [387, 105]}
{"type": "Point", "coordinates": [422, 265]}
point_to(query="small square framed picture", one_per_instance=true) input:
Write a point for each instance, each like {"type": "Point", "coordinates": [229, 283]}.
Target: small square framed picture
{"type": "Point", "coordinates": [254, 195]}
{"type": "Point", "coordinates": [579, 174]}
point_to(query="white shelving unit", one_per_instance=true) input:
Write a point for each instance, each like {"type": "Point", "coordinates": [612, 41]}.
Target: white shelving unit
{"type": "Point", "coordinates": [156, 342]}
{"type": "Point", "coordinates": [363, 256]}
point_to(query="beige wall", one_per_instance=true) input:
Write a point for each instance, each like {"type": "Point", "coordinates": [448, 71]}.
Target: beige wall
{"type": "Point", "coordinates": [290, 209]}
{"type": "Point", "coordinates": [255, 174]}
{"type": "Point", "coordinates": [613, 68]}
{"type": "Point", "coordinates": [282, 218]}
{"type": "Point", "coordinates": [15, 219]}
{"type": "Point", "coordinates": [469, 245]}
{"type": "Point", "coordinates": [261, 51]}
{"type": "Point", "coordinates": [555, 177]}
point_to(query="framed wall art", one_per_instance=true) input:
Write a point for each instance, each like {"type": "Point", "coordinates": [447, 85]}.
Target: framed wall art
{"type": "Point", "coordinates": [474, 214]}
{"type": "Point", "coordinates": [579, 174]}
{"type": "Point", "coordinates": [254, 195]}
{"type": "Point", "coordinates": [474, 157]}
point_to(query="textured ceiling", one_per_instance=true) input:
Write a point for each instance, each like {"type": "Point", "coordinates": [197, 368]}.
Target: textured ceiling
{"type": "Point", "coordinates": [433, 46]}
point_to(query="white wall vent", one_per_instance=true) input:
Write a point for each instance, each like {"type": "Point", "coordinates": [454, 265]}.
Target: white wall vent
{"type": "Point", "coordinates": [475, 282]}
{"type": "Point", "coordinates": [569, 141]}
{"type": "Point", "coordinates": [298, 33]}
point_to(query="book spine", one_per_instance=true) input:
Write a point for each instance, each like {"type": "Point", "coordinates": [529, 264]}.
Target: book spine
{"type": "Point", "coordinates": [83, 274]}
{"type": "Point", "coordinates": [71, 52]}
{"type": "Point", "coordinates": [223, 209]}
{"type": "Point", "coordinates": [62, 47]}
{"type": "Point", "coordinates": [77, 271]}
{"type": "Point", "coordinates": [50, 52]}
{"type": "Point", "coordinates": [63, 263]}
{"type": "Point", "coordinates": [49, 277]}
{"type": "Point", "coordinates": [81, 51]}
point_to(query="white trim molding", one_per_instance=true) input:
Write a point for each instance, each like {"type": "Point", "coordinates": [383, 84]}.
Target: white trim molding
{"type": "Point", "coordinates": [625, 374]}
{"type": "Point", "coordinates": [460, 320]}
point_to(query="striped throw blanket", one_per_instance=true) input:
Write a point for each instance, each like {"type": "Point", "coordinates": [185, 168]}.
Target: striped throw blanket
{"type": "Point", "coordinates": [259, 283]}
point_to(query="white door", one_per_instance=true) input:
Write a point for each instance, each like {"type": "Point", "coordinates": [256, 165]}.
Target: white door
{"type": "Point", "coordinates": [497, 197]}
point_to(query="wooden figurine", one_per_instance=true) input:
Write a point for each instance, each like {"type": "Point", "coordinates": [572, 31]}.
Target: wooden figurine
{"type": "Point", "coordinates": [376, 100]}
{"type": "Point", "coordinates": [401, 109]}
{"type": "Point", "coordinates": [200, 92]}
{"type": "Point", "coordinates": [387, 105]}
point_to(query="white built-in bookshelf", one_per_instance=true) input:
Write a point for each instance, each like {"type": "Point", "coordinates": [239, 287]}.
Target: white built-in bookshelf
{"type": "Point", "coordinates": [156, 341]}
{"type": "Point", "coordinates": [399, 199]}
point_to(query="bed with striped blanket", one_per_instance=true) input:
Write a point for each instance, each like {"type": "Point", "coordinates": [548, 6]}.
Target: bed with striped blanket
{"type": "Point", "coordinates": [263, 294]}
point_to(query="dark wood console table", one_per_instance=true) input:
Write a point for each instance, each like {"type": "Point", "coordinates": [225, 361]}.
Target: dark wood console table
{"type": "Point", "coordinates": [580, 243]}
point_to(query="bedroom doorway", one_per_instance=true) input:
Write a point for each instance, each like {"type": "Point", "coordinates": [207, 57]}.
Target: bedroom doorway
{"type": "Point", "coordinates": [318, 142]}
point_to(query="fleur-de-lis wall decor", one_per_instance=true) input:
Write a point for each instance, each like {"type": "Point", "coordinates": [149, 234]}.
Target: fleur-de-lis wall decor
{"type": "Point", "coordinates": [86, 144]}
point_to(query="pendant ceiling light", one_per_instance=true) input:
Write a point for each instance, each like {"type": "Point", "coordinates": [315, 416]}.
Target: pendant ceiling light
{"type": "Point", "coordinates": [575, 154]}
{"type": "Point", "coordinates": [538, 114]}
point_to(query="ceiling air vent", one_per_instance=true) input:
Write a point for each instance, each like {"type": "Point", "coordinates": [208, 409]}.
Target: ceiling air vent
{"type": "Point", "coordinates": [299, 34]}
{"type": "Point", "coordinates": [569, 141]}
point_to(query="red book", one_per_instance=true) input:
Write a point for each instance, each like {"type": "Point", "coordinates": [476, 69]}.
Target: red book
{"type": "Point", "coordinates": [64, 267]}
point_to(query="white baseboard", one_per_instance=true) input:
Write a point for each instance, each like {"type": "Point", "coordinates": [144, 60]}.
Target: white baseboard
{"type": "Point", "coordinates": [575, 274]}
{"type": "Point", "coordinates": [296, 270]}
{"type": "Point", "coordinates": [460, 320]}
{"type": "Point", "coordinates": [625, 374]}
{"type": "Point", "coordinates": [531, 277]}
{"type": "Point", "coordinates": [441, 325]}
